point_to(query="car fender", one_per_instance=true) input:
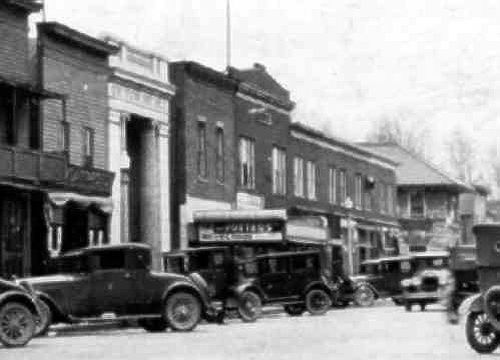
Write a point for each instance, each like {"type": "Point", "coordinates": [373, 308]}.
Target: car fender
{"type": "Point", "coordinates": [22, 297]}
{"type": "Point", "coordinates": [188, 287]}
{"type": "Point", "coordinates": [249, 286]}
{"type": "Point", "coordinates": [57, 313]}
{"type": "Point", "coordinates": [361, 284]}
{"type": "Point", "coordinates": [318, 285]}
{"type": "Point", "coordinates": [474, 303]}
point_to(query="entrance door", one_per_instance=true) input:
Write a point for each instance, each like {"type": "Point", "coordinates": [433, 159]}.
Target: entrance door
{"type": "Point", "coordinates": [75, 233]}
{"type": "Point", "coordinates": [13, 237]}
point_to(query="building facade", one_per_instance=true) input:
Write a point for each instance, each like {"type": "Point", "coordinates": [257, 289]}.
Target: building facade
{"type": "Point", "coordinates": [54, 189]}
{"type": "Point", "coordinates": [202, 145]}
{"type": "Point", "coordinates": [427, 200]}
{"type": "Point", "coordinates": [138, 136]}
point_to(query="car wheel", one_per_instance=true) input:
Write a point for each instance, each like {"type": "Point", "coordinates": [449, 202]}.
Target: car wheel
{"type": "Point", "coordinates": [17, 324]}
{"type": "Point", "coordinates": [318, 302]}
{"type": "Point", "coordinates": [153, 325]}
{"type": "Point", "coordinates": [294, 310]}
{"type": "Point", "coordinates": [44, 319]}
{"type": "Point", "coordinates": [182, 311]}
{"type": "Point", "coordinates": [481, 334]}
{"type": "Point", "coordinates": [408, 306]}
{"type": "Point", "coordinates": [364, 296]}
{"type": "Point", "coordinates": [397, 301]}
{"type": "Point", "coordinates": [250, 306]}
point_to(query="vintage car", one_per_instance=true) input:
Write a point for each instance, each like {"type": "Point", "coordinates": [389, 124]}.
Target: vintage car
{"type": "Point", "coordinates": [115, 282]}
{"type": "Point", "coordinates": [483, 318]}
{"type": "Point", "coordinates": [380, 278]}
{"type": "Point", "coordinates": [432, 281]}
{"type": "Point", "coordinates": [293, 279]}
{"type": "Point", "coordinates": [18, 313]}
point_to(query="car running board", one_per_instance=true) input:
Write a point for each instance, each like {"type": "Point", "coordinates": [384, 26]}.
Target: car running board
{"type": "Point", "coordinates": [111, 317]}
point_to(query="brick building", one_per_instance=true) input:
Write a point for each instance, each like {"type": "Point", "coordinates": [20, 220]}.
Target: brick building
{"type": "Point", "coordinates": [202, 144]}
{"type": "Point", "coordinates": [53, 186]}
{"type": "Point", "coordinates": [138, 140]}
{"type": "Point", "coordinates": [427, 198]}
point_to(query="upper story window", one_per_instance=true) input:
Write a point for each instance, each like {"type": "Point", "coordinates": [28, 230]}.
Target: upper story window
{"type": "Point", "coordinates": [342, 186]}
{"type": "Point", "coordinates": [298, 176]}
{"type": "Point", "coordinates": [247, 163]}
{"type": "Point", "coordinates": [279, 171]}
{"type": "Point", "coordinates": [201, 155]}
{"type": "Point", "coordinates": [219, 154]}
{"type": "Point", "coordinates": [417, 205]}
{"type": "Point", "coordinates": [358, 191]}
{"type": "Point", "coordinates": [332, 185]}
{"type": "Point", "coordinates": [63, 136]}
{"type": "Point", "coordinates": [390, 200]}
{"type": "Point", "coordinates": [311, 181]}
{"type": "Point", "coordinates": [88, 146]}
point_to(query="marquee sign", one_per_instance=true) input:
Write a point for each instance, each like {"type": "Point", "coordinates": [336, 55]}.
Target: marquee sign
{"type": "Point", "coordinates": [241, 231]}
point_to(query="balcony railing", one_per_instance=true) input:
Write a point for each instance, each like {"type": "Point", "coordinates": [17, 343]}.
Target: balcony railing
{"type": "Point", "coordinates": [52, 171]}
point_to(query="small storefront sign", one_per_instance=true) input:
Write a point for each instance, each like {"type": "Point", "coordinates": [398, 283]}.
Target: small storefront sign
{"type": "Point", "coordinates": [246, 201]}
{"type": "Point", "coordinates": [241, 231]}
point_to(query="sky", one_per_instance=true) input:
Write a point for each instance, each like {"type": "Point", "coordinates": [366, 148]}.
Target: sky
{"type": "Point", "coordinates": [347, 63]}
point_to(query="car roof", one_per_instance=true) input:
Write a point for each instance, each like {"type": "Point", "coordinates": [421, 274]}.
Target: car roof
{"type": "Point", "coordinates": [386, 259]}
{"type": "Point", "coordinates": [196, 249]}
{"type": "Point", "coordinates": [287, 253]}
{"type": "Point", "coordinates": [430, 254]}
{"type": "Point", "coordinates": [91, 249]}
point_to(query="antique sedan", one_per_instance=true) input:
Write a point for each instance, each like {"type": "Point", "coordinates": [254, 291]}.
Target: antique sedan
{"type": "Point", "coordinates": [427, 286]}
{"type": "Point", "coordinates": [18, 313]}
{"type": "Point", "coordinates": [115, 281]}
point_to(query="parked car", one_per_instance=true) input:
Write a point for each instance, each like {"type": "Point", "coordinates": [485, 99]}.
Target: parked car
{"type": "Point", "coordinates": [286, 278]}
{"type": "Point", "coordinates": [115, 281]}
{"type": "Point", "coordinates": [427, 286]}
{"type": "Point", "coordinates": [380, 278]}
{"type": "Point", "coordinates": [18, 313]}
{"type": "Point", "coordinates": [483, 319]}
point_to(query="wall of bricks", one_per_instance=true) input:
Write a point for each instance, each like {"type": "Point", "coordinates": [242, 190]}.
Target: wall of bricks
{"type": "Point", "coordinates": [14, 63]}
{"type": "Point", "coordinates": [82, 76]}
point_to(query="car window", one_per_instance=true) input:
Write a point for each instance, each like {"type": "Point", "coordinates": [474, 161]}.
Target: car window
{"type": "Point", "coordinates": [199, 261]}
{"type": "Point", "coordinates": [140, 260]}
{"type": "Point", "coordinates": [218, 259]}
{"type": "Point", "coordinates": [405, 267]}
{"type": "Point", "coordinates": [111, 259]}
{"type": "Point", "coordinates": [174, 264]}
{"type": "Point", "coordinates": [302, 263]}
{"type": "Point", "coordinates": [72, 264]}
{"type": "Point", "coordinates": [273, 265]}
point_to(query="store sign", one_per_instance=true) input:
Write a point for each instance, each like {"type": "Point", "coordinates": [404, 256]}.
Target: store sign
{"type": "Point", "coordinates": [241, 231]}
{"type": "Point", "coordinates": [92, 181]}
{"type": "Point", "coordinates": [246, 201]}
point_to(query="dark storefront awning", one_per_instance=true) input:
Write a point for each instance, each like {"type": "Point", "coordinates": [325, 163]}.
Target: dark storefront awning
{"type": "Point", "coordinates": [105, 204]}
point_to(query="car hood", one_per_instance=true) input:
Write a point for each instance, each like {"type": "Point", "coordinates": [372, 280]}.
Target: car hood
{"type": "Point", "coordinates": [360, 278]}
{"type": "Point", "coordinates": [49, 279]}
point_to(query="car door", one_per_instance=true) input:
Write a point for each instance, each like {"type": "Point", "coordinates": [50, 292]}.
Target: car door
{"type": "Point", "coordinates": [274, 277]}
{"type": "Point", "coordinates": [113, 285]}
{"type": "Point", "coordinates": [303, 269]}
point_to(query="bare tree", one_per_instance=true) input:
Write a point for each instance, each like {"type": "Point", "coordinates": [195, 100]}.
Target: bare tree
{"type": "Point", "coordinates": [403, 129]}
{"type": "Point", "coordinates": [461, 156]}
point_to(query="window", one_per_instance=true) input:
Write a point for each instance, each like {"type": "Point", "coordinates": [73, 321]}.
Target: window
{"type": "Point", "coordinates": [88, 146]}
{"type": "Point", "coordinates": [311, 180]}
{"type": "Point", "coordinates": [332, 185]}
{"type": "Point", "coordinates": [123, 132]}
{"type": "Point", "coordinates": [202, 149]}
{"type": "Point", "coordinates": [358, 191]}
{"type": "Point", "coordinates": [390, 200]}
{"type": "Point", "coordinates": [368, 193]}
{"type": "Point", "coordinates": [273, 265]}
{"type": "Point", "coordinates": [342, 187]}
{"type": "Point", "coordinates": [111, 259]}
{"type": "Point", "coordinates": [298, 176]}
{"type": "Point", "coordinates": [247, 163]}
{"type": "Point", "coordinates": [279, 171]}
{"type": "Point", "coordinates": [417, 204]}
{"type": "Point", "coordinates": [219, 154]}
{"type": "Point", "coordinates": [63, 136]}
{"type": "Point", "coordinates": [34, 123]}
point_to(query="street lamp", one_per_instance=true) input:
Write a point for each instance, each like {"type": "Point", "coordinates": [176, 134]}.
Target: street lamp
{"type": "Point", "coordinates": [349, 223]}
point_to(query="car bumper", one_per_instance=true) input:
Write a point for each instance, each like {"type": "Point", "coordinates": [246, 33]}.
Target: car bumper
{"type": "Point", "coordinates": [422, 295]}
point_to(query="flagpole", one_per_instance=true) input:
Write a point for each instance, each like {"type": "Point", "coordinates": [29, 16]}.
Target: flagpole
{"type": "Point", "coordinates": [228, 34]}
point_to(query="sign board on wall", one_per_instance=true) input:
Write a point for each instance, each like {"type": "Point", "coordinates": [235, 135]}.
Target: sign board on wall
{"type": "Point", "coordinates": [246, 201]}
{"type": "Point", "coordinates": [241, 231]}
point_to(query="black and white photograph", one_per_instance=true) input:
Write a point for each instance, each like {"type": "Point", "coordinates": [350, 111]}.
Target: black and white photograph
{"type": "Point", "coordinates": [236, 179]}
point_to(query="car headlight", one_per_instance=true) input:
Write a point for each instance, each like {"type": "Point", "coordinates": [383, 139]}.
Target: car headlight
{"type": "Point", "coordinates": [26, 286]}
{"type": "Point", "coordinates": [406, 283]}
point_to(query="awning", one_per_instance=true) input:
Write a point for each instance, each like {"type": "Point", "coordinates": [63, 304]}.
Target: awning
{"type": "Point", "coordinates": [105, 204]}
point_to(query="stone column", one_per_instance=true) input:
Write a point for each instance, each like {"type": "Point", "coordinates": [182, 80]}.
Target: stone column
{"type": "Point", "coordinates": [164, 174]}
{"type": "Point", "coordinates": [145, 186]}
{"type": "Point", "coordinates": [114, 165]}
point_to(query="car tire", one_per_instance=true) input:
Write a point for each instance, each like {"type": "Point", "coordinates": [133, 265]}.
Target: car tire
{"type": "Point", "coordinates": [182, 311]}
{"type": "Point", "coordinates": [249, 306]}
{"type": "Point", "coordinates": [317, 302]}
{"type": "Point", "coordinates": [397, 301]}
{"type": "Point", "coordinates": [44, 319]}
{"type": "Point", "coordinates": [17, 324]}
{"type": "Point", "coordinates": [364, 296]}
{"type": "Point", "coordinates": [480, 333]}
{"type": "Point", "coordinates": [295, 310]}
{"type": "Point", "coordinates": [153, 325]}
{"type": "Point", "coordinates": [408, 306]}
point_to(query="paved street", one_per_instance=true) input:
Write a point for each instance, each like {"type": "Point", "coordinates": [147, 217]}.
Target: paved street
{"type": "Point", "coordinates": [383, 332]}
